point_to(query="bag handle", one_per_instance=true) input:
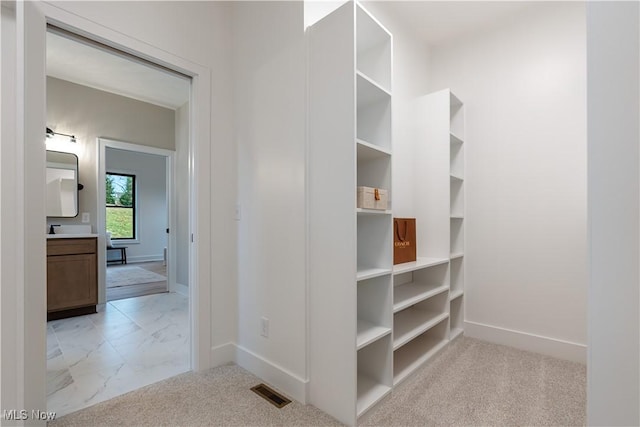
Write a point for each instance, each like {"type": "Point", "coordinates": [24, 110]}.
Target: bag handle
{"type": "Point", "coordinates": [402, 238]}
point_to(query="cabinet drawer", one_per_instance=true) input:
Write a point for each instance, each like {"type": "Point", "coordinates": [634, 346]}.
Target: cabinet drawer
{"type": "Point", "coordinates": [71, 246]}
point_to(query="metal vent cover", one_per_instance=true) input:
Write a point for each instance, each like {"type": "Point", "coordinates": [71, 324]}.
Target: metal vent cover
{"type": "Point", "coordinates": [270, 395]}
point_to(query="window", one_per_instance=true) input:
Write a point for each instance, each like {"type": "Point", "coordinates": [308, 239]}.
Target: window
{"type": "Point", "coordinates": [121, 205]}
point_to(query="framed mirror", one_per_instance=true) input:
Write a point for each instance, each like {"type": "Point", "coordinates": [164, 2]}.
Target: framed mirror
{"type": "Point", "coordinates": [62, 184]}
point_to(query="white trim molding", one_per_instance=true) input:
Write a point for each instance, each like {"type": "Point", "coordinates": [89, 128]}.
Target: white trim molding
{"type": "Point", "coordinates": [276, 376]}
{"type": "Point", "coordinates": [553, 347]}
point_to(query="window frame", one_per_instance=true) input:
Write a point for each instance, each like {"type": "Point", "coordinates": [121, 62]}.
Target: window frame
{"type": "Point", "coordinates": [134, 206]}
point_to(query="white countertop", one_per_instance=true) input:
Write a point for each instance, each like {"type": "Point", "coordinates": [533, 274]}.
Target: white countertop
{"type": "Point", "coordinates": [71, 236]}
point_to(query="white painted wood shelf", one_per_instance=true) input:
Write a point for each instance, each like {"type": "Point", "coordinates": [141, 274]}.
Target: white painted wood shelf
{"type": "Point", "coordinates": [412, 322]}
{"type": "Point", "coordinates": [404, 296]}
{"type": "Point", "coordinates": [370, 273]}
{"type": "Point", "coordinates": [456, 255]}
{"type": "Point", "coordinates": [369, 332]}
{"type": "Point", "coordinates": [363, 212]}
{"type": "Point", "coordinates": [455, 139]}
{"type": "Point", "coordinates": [368, 151]}
{"type": "Point", "coordinates": [455, 294]}
{"type": "Point", "coordinates": [418, 264]}
{"type": "Point", "coordinates": [455, 333]}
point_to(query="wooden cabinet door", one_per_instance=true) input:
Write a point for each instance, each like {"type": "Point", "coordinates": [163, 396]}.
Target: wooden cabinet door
{"type": "Point", "coordinates": [71, 281]}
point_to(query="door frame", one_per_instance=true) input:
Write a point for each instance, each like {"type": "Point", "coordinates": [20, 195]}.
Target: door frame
{"type": "Point", "coordinates": [27, 347]}
{"type": "Point", "coordinates": [170, 171]}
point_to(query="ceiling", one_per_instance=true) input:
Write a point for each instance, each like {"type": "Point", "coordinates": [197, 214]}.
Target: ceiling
{"type": "Point", "coordinates": [80, 63]}
{"type": "Point", "coordinates": [433, 22]}
{"type": "Point", "coordinates": [437, 22]}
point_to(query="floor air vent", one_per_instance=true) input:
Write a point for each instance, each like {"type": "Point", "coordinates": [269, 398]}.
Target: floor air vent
{"type": "Point", "coordinates": [272, 396]}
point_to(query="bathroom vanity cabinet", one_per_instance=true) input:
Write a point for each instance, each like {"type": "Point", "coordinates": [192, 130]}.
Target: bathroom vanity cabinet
{"type": "Point", "coordinates": [72, 277]}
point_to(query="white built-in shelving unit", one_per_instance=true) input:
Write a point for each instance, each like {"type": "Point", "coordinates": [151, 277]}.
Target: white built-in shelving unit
{"type": "Point", "coordinates": [372, 323]}
{"type": "Point", "coordinates": [456, 167]}
{"type": "Point", "coordinates": [350, 249]}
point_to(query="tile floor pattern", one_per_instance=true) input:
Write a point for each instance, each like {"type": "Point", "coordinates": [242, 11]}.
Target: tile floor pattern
{"type": "Point", "coordinates": [128, 344]}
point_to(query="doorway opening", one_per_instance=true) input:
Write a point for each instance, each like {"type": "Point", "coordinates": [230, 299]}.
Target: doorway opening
{"type": "Point", "coordinates": [136, 337]}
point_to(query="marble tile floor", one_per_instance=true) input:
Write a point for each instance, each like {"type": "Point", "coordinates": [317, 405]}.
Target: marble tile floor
{"type": "Point", "coordinates": [128, 344]}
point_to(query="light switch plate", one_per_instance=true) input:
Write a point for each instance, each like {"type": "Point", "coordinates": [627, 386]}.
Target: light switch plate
{"type": "Point", "coordinates": [86, 217]}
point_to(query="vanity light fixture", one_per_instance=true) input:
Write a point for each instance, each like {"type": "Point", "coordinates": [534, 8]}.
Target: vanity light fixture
{"type": "Point", "coordinates": [51, 134]}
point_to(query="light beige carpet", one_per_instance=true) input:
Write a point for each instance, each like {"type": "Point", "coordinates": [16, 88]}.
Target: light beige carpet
{"type": "Point", "coordinates": [470, 383]}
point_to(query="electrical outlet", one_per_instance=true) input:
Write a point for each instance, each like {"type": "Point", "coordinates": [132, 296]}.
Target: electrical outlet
{"type": "Point", "coordinates": [86, 217]}
{"type": "Point", "coordinates": [264, 326]}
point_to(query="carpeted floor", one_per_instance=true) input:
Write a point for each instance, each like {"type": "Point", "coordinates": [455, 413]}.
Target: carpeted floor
{"type": "Point", "coordinates": [469, 383]}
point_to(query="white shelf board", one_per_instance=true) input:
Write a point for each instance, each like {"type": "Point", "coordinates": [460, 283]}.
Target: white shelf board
{"type": "Point", "coordinates": [456, 178]}
{"type": "Point", "coordinates": [456, 255]}
{"type": "Point", "coordinates": [408, 359]}
{"type": "Point", "coordinates": [369, 332]}
{"type": "Point", "coordinates": [369, 151]}
{"type": "Point", "coordinates": [370, 392]}
{"type": "Point", "coordinates": [370, 92]}
{"type": "Point", "coordinates": [455, 333]}
{"type": "Point", "coordinates": [418, 264]}
{"type": "Point", "coordinates": [406, 295]}
{"type": "Point", "coordinates": [361, 211]}
{"type": "Point", "coordinates": [455, 294]}
{"type": "Point", "coordinates": [370, 273]}
{"type": "Point", "coordinates": [455, 139]}
{"type": "Point", "coordinates": [457, 217]}
{"type": "Point", "coordinates": [410, 323]}
{"type": "Point", "coordinates": [373, 83]}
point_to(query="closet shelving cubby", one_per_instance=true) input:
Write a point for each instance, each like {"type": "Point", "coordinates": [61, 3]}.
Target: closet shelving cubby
{"type": "Point", "coordinates": [350, 249]}
{"type": "Point", "coordinates": [457, 220]}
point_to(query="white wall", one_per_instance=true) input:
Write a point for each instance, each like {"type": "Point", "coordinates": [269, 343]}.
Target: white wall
{"type": "Point", "coordinates": [269, 77]}
{"type": "Point", "coordinates": [151, 202]}
{"type": "Point", "coordinates": [524, 88]}
{"type": "Point", "coordinates": [523, 85]}
{"type": "Point", "coordinates": [613, 46]}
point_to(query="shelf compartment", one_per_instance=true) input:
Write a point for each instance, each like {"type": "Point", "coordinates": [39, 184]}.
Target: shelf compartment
{"type": "Point", "coordinates": [405, 296]}
{"type": "Point", "coordinates": [456, 317]}
{"type": "Point", "coordinates": [374, 245]}
{"type": "Point", "coordinates": [375, 376]}
{"type": "Point", "coordinates": [373, 167]}
{"type": "Point", "coordinates": [412, 356]}
{"type": "Point", "coordinates": [368, 150]}
{"type": "Point", "coordinates": [413, 321]}
{"type": "Point", "coordinates": [455, 139]}
{"type": "Point", "coordinates": [456, 159]}
{"type": "Point", "coordinates": [457, 236]}
{"type": "Point", "coordinates": [456, 116]}
{"type": "Point", "coordinates": [457, 275]}
{"type": "Point", "coordinates": [373, 48]}
{"type": "Point", "coordinates": [374, 312]}
{"type": "Point", "coordinates": [373, 113]}
{"type": "Point", "coordinates": [457, 197]}
{"type": "Point", "coordinates": [415, 286]}
{"type": "Point", "coordinates": [418, 264]}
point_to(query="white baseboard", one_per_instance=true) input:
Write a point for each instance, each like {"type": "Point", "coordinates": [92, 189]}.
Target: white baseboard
{"type": "Point", "coordinates": [524, 341]}
{"type": "Point", "coordinates": [181, 289]}
{"type": "Point", "coordinates": [275, 376]}
{"type": "Point", "coordinates": [143, 258]}
{"type": "Point", "coordinates": [223, 354]}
